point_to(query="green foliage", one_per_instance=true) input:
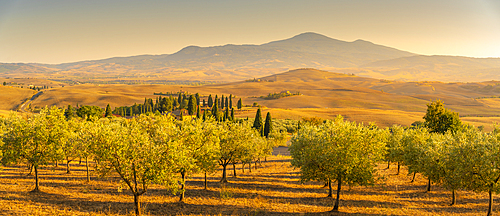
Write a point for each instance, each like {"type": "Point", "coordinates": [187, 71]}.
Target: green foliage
{"type": "Point", "coordinates": [258, 124]}
{"type": "Point", "coordinates": [268, 126]}
{"type": "Point", "coordinates": [210, 101]}
{"type": "Point", "coordinates": [89, 112]}
{"type": "Point", "coordinates": [108, 112]}
{"type": "Point", "coordinates": [287, 125]}
{"type": "Point", "coordinates": [274, 96]}
{"type": "Point", "coordinates": [240, 104]}
{"type": "Point", "coordinates": [395, 150]}
{"type": "Point", "coordinates": [338, 150]}
{"type": "Point", "coordinates": [215, 109]}
{"type": "Point", "coordinates": [439, 119]}
{"type": "Point", "coordinates": [69, 113]}
{"type": "Point", "coordinates": [36, 140]}
{"type": "Point", "coordinates": [191, 107]}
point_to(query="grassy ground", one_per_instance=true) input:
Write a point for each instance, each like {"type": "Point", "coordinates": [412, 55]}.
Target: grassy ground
{"type": "Point", "coordinates": [12, 97]}
{"type": "Point", "coordinates": [273, 189]}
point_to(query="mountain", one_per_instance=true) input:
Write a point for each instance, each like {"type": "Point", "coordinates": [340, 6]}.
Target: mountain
{"type": "Point", "coordinates": [303, 50]}
{"type": "Point", "coordinates": [239, 62]}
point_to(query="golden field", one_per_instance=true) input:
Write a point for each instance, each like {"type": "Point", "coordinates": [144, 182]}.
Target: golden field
{"type": "Point", "coordinates": [272, 189]}
{"type": "Point", "coordinates": [323, 94]}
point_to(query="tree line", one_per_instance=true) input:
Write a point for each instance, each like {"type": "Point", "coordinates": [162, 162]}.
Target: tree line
{"type": "Point", "coordinates": [148, 149]}
{"type": "Point", "coordinates": [445, 151]}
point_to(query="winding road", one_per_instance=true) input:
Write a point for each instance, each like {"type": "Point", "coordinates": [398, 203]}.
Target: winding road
{"type": "Point", "coordinates": [24, 105]}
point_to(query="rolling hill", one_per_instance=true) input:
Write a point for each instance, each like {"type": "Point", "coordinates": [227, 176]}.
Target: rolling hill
{"type": "Point", "coordinates": [323, 94]}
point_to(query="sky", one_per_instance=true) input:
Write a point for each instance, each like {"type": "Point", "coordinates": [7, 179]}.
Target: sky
{"type": "Point", "coordinates": [59, 31]}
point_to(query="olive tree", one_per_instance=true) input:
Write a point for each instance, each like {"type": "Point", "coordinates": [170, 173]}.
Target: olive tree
{"type": "Point", "coordinates": [476, 158]}
{"type": "Point", "coordinates": [345, 152]}
{"type": "Point", "coordinates": [235, 141]}
{"type": "Point", "coordinates": [36, 140]}
{"type": "Point", "coordinates": [140, 151]}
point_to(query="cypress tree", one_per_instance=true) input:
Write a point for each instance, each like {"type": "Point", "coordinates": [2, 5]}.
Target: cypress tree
{"type": "Point", "coordinates": [181, 116]}
{"type": "Point", "coordinates": [232, 114]}
{"type": "Point", "coordinates": [108, 112]}
{"type": "Point", "coordinates": [268, 126]}
{"type": "Point", "coordinates": [197, 99]}
{"type": "Point", "coordinates": [230, 101]}
{"type": "Point", "coordinates": [198, 114]}
{"type": "Point", "coordinates": [222, 102]}
{"type": "Point", "coordinates": [215, 110]}
{"type": "Point", "coordinates": [257, 124]}
{"type": "Point", "coordinates": [204, 102]}
{"type": "Point", "coordinates": [191, 105]}
{"type": "Point", "coordinates": [227, 102]}
{"type": "Point", "coordinates": [226, 114]}
{"type": "Point", "coordinates": [216, 101]}
{"type": "Point", "coordinates": [179, 99]}
{"type": "Point", "coordinates": [175, 105]}
{"type": "Point", "coordinates": [204, 115]}
{"type": "Point", "coordinates": [69, 113]}
{"type": "Point", "coordinates": [240, 104]}
{"type": "Point", "coordinates": [210, 101]}
{"type": "Point", "coordinates": [131, 111]}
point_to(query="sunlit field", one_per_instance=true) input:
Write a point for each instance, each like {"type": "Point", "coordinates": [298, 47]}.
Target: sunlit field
{"type": "Point", "coordinates": [273, 188]}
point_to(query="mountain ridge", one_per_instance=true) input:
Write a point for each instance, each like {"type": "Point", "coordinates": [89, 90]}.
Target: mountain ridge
{"type": "Point", "coordinates": [305, 50]}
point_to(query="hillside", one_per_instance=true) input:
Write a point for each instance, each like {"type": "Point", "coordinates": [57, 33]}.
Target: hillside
{"type": "Point", "coordinates": [442, 68]}
{"type": "Point", "coordinates": [323, 94]}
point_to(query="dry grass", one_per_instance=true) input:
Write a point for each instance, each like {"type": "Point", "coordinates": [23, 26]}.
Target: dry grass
{"type": "Point", "coordinates": [324, 95]}
{"type": "Point", "coordinates": [273, 189]}
{"type": "Point", "coordinates": [12, 97]}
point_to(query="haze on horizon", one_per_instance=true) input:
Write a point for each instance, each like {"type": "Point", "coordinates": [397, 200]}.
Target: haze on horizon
{"type": "Point", "coordinates": [58, 31]}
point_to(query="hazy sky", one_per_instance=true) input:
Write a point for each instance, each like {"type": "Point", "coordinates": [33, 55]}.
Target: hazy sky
{"type": "Point", "coordinates": [56, 31]}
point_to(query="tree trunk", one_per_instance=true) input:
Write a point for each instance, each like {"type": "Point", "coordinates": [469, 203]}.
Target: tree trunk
{"type": "Point", "coordinates": [80, 163]}
{"type": "Point", "coordinates": [31, 168]}
{"type": "Point", "coordinates": [250, 166]}
{"type": "Point", "coordinates": [413, 180]}
{"type": "Point", "coordinates": [67, 165]}
{"type": "Point", "coordinates": [399, 166]}
{"type": "Point", "coordinates": [490, 206]}
{"type": "Point", "coordinates": [388, 164]}
{"type": "Point", "coordinates": [330, 190]}
{"type": "Point", "coordinates": [224, 179]}
{"type": "Point", "coordinates": [87, 166]}
{"type": "Point", "coordinates": [57, 163]}
{"type": "Point", "coordinates": [429, 185]}
{"type": "Point", "coordinates": [205, 180]}
{"type": "Point", "coordinates": [242, 167]}
{"type": "Point", "coordinates": [234, 170]}
{"type": "Point", "coordinates": [183, 186]}
{"type": "Point", "coordinates": [37, 183]}
{"type": "Point", "coordinates": [137, 203]}
{"type": "Point", "coordinates": [339, 185]}
{"type": "Point", "coordinates": [255, 165]}
{"type": "Point", "coordinates": [453, 197]}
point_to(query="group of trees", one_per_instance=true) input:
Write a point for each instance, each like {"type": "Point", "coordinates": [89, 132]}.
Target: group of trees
{"type": "Point", "coordinates": [446, 152]}
{"type": "Point", "coordinates": [339, 151]}
{"type": "Point", "coordinates": [273, 96]}
{"type": "Point", "coordinates": [182, 102]}
{"type": "Point", "coordinates": [148, 149]}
